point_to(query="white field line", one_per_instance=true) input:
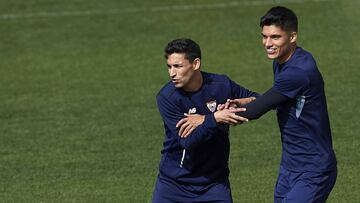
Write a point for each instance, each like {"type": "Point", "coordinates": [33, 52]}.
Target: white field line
{"type": "Point", "coordinates": [45, 14]}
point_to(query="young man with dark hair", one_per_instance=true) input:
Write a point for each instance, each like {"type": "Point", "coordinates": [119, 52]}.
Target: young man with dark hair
{"type": "Point", "coordinates": [308, 165]}
{"type": "Point", "coordinates": [195, 169]}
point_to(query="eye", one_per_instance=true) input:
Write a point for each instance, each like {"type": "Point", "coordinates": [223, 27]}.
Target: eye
{"type": "Point", "coordinates": [275, 37]}
{"type": "Point", "coordinates": [177, 66]}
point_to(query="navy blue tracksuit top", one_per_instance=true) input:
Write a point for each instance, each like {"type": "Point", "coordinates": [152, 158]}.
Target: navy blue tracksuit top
{"type": "Point", "coordinates": [202, 157]}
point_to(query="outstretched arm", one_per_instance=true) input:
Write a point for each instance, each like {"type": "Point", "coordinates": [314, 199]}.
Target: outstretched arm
{"type": "Point", "coordinates": [250, 111]}
{"type": "Point", "coordinates": [264, 103]}
{"type": "Point", "coordinates": [225, 116]}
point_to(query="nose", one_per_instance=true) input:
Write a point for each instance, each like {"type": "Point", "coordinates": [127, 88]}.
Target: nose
{"type": "Point", "coordinates": [267, 42]}
{"type": "Point", "coordinates": [172, 72]}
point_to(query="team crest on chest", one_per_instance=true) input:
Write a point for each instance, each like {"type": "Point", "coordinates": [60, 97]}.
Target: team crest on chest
{"type": "Point", "coordinates": [211, 105]}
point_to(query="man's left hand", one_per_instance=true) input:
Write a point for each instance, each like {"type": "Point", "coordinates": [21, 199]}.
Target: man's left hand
{"type": "Point", "coordinates": [189, 123]}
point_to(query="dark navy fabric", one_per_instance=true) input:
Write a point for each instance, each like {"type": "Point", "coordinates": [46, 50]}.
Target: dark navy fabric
{"type": "Point", "coordinates": [303, 120]}
{"type": "Point", "coordinates": [167, 191]}
{"type": "Point", "coordinates": [201, 159]}
{"type": "Point", "coordinates": [266, 102]}
{"type": "Point", "coordinates": [303, 187]}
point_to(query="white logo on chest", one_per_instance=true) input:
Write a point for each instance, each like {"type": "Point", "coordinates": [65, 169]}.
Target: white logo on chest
{"type": "Point", "coordinates": [192, 111]}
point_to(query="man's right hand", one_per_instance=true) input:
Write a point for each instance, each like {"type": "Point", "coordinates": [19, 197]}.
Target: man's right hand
{"type": "Point", "coordinates": [228, 116]}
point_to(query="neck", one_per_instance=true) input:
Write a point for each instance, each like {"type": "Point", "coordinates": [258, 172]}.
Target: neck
{"type": "Point", "coordinates": [288, 56]}
{"type": "Point", "coordinates": [196, 82]}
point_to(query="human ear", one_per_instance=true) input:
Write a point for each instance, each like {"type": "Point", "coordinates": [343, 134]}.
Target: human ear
{"type": "Point", "coordinates": [196, 64]}
{"type": "Point", "coordinates": [293, 37]}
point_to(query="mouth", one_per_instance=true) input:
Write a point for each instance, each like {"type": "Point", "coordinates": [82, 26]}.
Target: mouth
{"type": "Point", "coordinates": [270, 51]}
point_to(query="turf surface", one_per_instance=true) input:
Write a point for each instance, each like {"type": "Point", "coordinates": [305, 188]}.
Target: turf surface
{"type": "Point", "coordinates": [78, 79]}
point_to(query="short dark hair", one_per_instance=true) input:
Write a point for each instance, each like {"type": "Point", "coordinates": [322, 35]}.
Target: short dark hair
{"type": "Point", "coordinates": [280, 16]}
{"type": "Point", "coordinates": [183, 46]}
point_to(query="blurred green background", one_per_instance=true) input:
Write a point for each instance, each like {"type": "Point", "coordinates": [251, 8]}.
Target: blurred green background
{"type": "Point", "coordinates": [78, 79]}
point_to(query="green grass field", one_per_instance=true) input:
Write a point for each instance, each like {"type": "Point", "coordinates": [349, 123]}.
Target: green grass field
{"type": "Point", "coordinates": [78, 79]}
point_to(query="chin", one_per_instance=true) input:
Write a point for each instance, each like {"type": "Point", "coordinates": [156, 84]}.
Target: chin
{"type": "Point", "coordinates": [178, 85]}
{"type": "Point", "coordinates": [272, 57]}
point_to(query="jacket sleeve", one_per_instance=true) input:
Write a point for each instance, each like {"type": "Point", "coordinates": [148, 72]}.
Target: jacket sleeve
{"type": "Point", "coordinates": [171, 114]}
{"type": "Point", "coordinates": [264, 103]}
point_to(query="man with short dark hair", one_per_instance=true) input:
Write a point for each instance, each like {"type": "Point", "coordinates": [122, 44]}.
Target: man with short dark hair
{"type": "Point", "coordinates": [195, 169]}
{"type": "Point", "coordinates": [308, 165]}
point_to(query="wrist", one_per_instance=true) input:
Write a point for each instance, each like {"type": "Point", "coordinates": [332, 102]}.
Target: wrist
{"type": "Point", "coordinates": [217, 117]}
{"type": "Point", "coordinates": [210, 121]}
